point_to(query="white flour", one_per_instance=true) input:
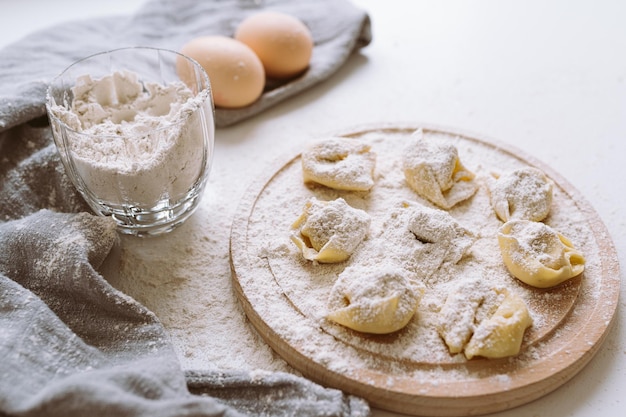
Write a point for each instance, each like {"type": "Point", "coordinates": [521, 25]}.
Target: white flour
{"type": "Point", "coordinates": [134, 142]}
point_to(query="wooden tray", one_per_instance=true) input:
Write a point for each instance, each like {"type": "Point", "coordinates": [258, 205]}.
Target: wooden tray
{"type": "Point", "coordinates": [575, 317]}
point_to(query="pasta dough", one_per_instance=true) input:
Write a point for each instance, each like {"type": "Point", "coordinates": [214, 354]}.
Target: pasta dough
{"type": "Point", "coordinates": [329, 231]}
{"type": "Point", "coordinates": [501, 334]}
{"type": "Point", "coordinates": [524, 194]}
{"type": "Point", "coordinates": [377, 301]}
{"type": "Point", "coordinates": [483, 321]}
{"type": "Point", "coordinates": [423, 240]}
{"type": "Point", "coordinates": [537, 254]}
{"type": "Point", "coordinates": [434, 171]}
{"type": "Point", "coordinates": [339, 163]}
{"type": "Point", "coordinates": [437, 227]}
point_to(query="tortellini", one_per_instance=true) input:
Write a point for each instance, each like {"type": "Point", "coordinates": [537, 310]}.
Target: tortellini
{"type": "Point", "coordinates": [482, 321]}
{"type": "Point", "coordinates": [374, 300]}
{"type": "Point", "coordinates": [538, 255]}
{"type": "Point", "coordinates": [501, 334]}
{"type": "Point", "coordinates": [329, 231]}
{"type": "Point", "coordinates": [339, 163]}
{"type": "Point", "coordinates": [524, 194]}
{"type": "Point", "coordinates": [433, 226]}
{"type": "Point", "coordinates": [434, 171]}
{"type": "Point", "coordinates": [424, 240]}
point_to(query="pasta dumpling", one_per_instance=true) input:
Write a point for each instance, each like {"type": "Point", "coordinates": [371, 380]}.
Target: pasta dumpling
{"type": "Point", "coordinates": [434, 171]}
{"type": "Point", "coordinates": [433, 226]}
{"type": "Point", "coordinates": [378, 301]}
{"type": "Point", "coordinates": [501, 334]}
{"type": "Point", "coordinates": [538, 255]}
{"type": "Point", "coordinates": [524, 194]}
{"type": "Point", "coordinates": [339, 163]}
{"type": "Point", "coordinates": [424, 240]}
{"type": "Point", "coordinates": [479, 320]}
{"type": "Point", "coordinates": [329, 231]}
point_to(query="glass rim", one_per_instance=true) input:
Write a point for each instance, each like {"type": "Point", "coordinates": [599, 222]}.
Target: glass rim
{"type": "Point", "coordinates": [203, 94]}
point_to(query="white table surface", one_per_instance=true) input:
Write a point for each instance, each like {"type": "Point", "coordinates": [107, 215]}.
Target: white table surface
{"type": "Point", "coordinates": [546, 76]}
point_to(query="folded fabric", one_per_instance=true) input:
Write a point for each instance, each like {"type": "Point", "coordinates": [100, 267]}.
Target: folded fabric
{"type": "Point", "coordinates": [70, 343]}
{"type": "Point", "coordinates": [26, 67]}
{"type": "Point", "coordinates": [74, 346]}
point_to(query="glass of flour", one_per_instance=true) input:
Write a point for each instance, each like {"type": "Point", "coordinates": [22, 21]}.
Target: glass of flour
{"type": "Point", "coordinates": [135, 131]}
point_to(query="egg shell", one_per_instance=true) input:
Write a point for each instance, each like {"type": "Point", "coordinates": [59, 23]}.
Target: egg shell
{"type": "Point", "coordinates": [236, 73]}
{"type": "Point", "coordinates": [282, 42]}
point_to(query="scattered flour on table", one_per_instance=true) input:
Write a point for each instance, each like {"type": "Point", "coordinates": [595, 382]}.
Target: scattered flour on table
{"type": "Point", "coordinates": [184, 278]}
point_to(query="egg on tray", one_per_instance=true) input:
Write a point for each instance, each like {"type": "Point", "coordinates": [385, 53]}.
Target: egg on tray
{"type": "Point", "coordinates": [282, 42]}
{"type": "Point", "coordinates": [235, 71]}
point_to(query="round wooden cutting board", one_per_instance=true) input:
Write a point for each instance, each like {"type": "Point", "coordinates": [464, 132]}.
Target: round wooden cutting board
{"type": "Point", "coordinates": [285, 296]}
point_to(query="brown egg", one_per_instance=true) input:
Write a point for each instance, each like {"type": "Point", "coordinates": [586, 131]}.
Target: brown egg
{"type": "Point", "coordinates": [236, 74]}
{"type": "Point", "coordinates": [282, 41]}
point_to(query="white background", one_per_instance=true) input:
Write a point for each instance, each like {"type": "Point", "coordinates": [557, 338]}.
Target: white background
{"type": "Point", "coordinates": [546, 76]}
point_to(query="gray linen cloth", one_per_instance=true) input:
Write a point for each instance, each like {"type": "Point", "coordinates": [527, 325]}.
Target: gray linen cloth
{"type": "Point", "coordinates": [70, 343]}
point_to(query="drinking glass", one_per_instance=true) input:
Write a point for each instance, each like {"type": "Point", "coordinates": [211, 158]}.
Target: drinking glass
{"type": "Point", "coordinates": [146, 165]}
